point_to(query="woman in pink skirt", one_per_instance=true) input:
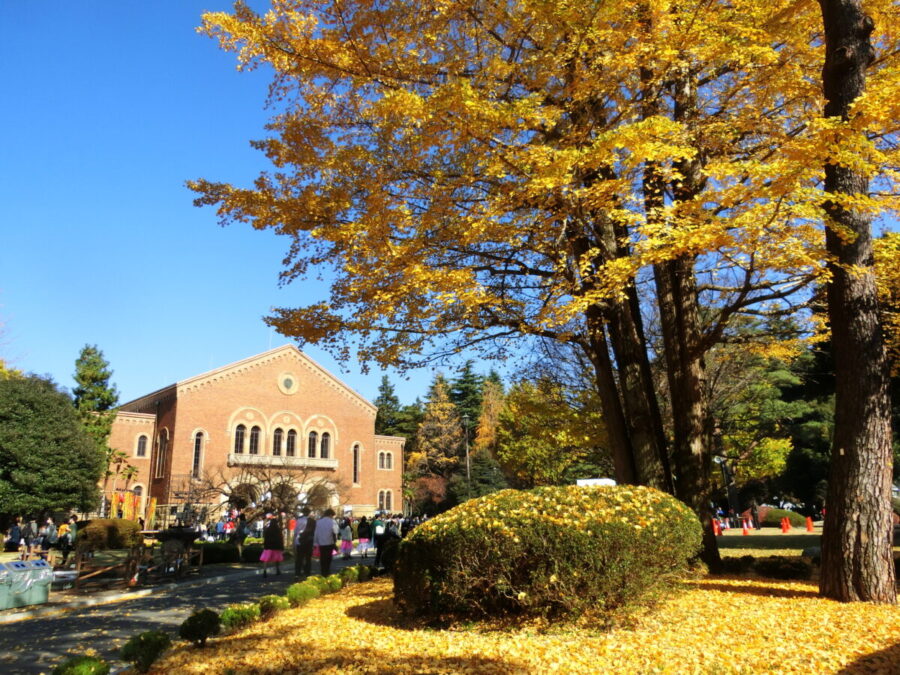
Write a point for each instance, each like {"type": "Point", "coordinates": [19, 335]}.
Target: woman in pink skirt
{"type": "Point", "coordinates": [273, 544]}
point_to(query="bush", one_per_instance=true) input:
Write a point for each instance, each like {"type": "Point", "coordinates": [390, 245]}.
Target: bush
{"type": "Point", "coordinates": [251, 553]}
{"type": "Point", "coordinates": [740, 565]}
{"type": "Point", "coordinates": [335, 583]}
{"type": "Point", "coordinates": [270, 605]}
{"type": "Point", "coordinates": [319, 582]}
{"type": "Point", "coordinates": [219, 552]}
{"type": "Point", "coordinates": [238, 616]}
{"type": "Point", "coordinates": [363, 572]}
{"type": "Point", "coordinates": [779, 567]}
{"type": "Point", "coordinates": [82, 665]}
{"type": "Point", "coordinates": [389, 552]}
{"type": "Point", "coordinates": [142, 650]}
{"type": "Point", "coordinates": [551, 550]}
{"type": "Point", "coordinates": [773, 518]}
{"type": "Point", "coordinates": [301, 593]}
{"type": "Point", "coordinates": [101, 534]}
{"type": "Point", "coordinates": [349, 574]}
{"type": "Point", "coordinates": [200, 626]}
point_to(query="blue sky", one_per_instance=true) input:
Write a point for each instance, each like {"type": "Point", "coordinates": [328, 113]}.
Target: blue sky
{"type": "Point", "coordinates": [109, 106]}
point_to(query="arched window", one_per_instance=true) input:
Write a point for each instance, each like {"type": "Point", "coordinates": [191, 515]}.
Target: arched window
{"type": "Point", "coordinates": [138, 490]}
{"type": "Point", "coordinates": [239, 438]}
{"type": "Point", "coordinates": [387, 500]}
{"type": "Point", "coordinates": [141, 446]}
{"type": "Point", "coordinates": [323, 447]}
{"type": "Point", "coordinates": [162, 448]}
{"type": "Point", "coordinates": [291, 443]}
{"type": "Point", "coordinates": [198, 450]}
{"type": "Point", "coordinates": [276, 442]}
{"type": "Point", "coordinates": [388, 460]}
{"type": "Point", "coordinates": [313, 438]}
{"type": "Point", "coordinates": [381, 500]}
{"type": "Point", "coordinates": [380, 460]}
{"type": "Point", "coordinates": [356, 463]}
{"type": "Point", "coordinates": [254, 441]}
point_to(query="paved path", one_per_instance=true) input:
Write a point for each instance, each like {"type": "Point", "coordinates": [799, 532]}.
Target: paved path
{"type": "Point", "coordinates": [37, 645]}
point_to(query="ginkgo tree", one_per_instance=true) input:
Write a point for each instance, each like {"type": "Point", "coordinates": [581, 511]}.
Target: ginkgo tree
{"type": "Point", "coordinates": [480, 172]}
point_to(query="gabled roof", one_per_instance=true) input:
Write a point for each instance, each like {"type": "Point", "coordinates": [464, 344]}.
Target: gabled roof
{"type": "Point", "coordinates": [198, 381]}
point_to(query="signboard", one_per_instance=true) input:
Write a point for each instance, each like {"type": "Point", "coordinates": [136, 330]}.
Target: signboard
{"type": "Point", "coordinates": [595, 481]}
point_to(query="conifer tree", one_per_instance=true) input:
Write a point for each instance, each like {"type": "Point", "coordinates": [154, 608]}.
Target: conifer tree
{"type": "Point", "coordinates": [440, 440]}
{"type": "Point", "coordinates": [387, 418]}
{"type": "Point", "coordinates": [95, 400]}
{"type": "Point", "coordinates": [491, 405]}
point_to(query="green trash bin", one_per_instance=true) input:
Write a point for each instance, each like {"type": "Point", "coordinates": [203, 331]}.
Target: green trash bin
{"type": "Point", "coordinates": [24, 582]}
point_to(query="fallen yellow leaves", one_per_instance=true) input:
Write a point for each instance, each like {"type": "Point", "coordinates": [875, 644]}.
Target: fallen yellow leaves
{"type": "Point", "coordinates": [716, 625]}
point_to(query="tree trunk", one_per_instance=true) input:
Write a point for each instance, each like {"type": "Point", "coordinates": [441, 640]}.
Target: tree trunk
{"type": "Point", "coordinates": [857, 558]}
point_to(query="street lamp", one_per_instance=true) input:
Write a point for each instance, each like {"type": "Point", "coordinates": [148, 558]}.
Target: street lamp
{"type": "Point", "coordinates": [468, 467]}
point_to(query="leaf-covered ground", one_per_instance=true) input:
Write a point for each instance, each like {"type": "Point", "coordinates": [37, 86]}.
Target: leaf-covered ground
{"type": "Point", "coordinates": [717, 625]}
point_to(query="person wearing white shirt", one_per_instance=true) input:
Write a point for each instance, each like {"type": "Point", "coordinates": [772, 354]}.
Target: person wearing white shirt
{"type": "Point", "coordinates": [326, 535]}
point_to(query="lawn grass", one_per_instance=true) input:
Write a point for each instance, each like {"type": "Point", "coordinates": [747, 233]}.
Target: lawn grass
{"type": "Point", "coordinates": [766, 542]}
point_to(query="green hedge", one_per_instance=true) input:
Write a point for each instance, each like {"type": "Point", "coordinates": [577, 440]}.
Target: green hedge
{"type": "Point", "coordinates": [300, 593]}
{"type": "Point", "coordinates": [101, 534]}
{"type": "Point", "coordinates": [142, 650]}
{"type": "Point", "coordinates": [773, 518]}
{"type": "Point", "coordinates": [270, 605]}
{"type": "Point", "coordinates": [82, 665]}
{"type": "Point", "coordinates": [200, 626]}
{"type": "Point", "coordinates": [238, 616]}
{"type": "Point", "coordinates": [219, 552]}
{"type": "Point", "coordinates": [551, 550]}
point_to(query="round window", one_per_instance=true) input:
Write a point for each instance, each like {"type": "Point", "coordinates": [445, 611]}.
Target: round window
{"type": "Point", "coordinates": [288, 383]}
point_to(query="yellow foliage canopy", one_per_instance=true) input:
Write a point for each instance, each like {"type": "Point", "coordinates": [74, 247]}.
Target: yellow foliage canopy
{"type": "Point", "coordinates": [440, 156]}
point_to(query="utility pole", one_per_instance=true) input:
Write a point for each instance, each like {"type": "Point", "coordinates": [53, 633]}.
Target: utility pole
{"type": "Point", "coordinates": [468, 467]}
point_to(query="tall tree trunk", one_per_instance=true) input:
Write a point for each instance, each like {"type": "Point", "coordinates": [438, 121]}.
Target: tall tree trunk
{"type": "Point", "coordinates": [857, 560]}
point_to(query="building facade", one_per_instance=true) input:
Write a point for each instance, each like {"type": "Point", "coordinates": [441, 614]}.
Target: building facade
{"type": "Point", "coordinates": [275, 417]}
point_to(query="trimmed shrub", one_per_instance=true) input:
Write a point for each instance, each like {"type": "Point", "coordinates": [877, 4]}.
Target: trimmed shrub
{"type": "Point", "coordinates": [200, 626]}
{"type": "Point", "coordinates": [142, 650]}
{"type": "Point", "coordinates": [364, 572]}
{"type": "Point", "coordinates": [237, 616]}
{"type": "Point", "coordinates": [270, 605]}
{"type": "Point", "coordinates": [335, 582]}
{"type": "Point", "coordinates": [219, 552]}
{"type": "Point", "coordinates": [779, 567]}
{"type": "Point", "coordinates": [82, 665]}
{"type": "Point", "coordinates": [301, 593]}
{"type": "Point", "coordinates": [740, 565]}
{"type": "Point", "coordinates": [552, 550]}
{"type": "Point", "coordinates": [773, 518]}
{"type": "Point", "coordinates": [251, 553]}
{"type": "Point", "coordinates": [319, 582]}
{"type": "Point", "coordinates": [101, 534]}
{"type": "Point", "coordinates": [349, 574]}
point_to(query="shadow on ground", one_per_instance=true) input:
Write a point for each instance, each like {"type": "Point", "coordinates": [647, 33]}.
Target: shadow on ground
{"type": "Point", "coordinates": [884, 662]}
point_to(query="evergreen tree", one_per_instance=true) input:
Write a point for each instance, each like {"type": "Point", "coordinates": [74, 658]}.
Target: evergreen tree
{"type": "Point", "coordinates": [95, 402]}
{"type": "Point", "coordinates": [465, 393]}
{"type": "Point", "coordinates": [48, 462]}
{"type": "Point", "coordinates": [387, 418]}
{"type": "Point", "coordinates": [487, 478]}
{"type": "Point", "coordinates": [440, 439]}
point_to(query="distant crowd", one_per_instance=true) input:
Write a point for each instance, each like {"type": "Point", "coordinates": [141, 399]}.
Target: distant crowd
{"type": "Point", "coordinates": [31, 540]}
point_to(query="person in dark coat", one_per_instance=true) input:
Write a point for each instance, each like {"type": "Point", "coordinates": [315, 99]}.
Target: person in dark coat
{"type": "Point", "coordinates": [273, 544]}
{"type": "Point", "coordinates": [304, 531]}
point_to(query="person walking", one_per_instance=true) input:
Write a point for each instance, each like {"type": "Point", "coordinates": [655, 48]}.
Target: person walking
{"type": "Point", "coordinates": [325, 537]}
{"type": "Point", "coordinates": [378, 530]}
{"type": "Point", "coordinates": [304, 534]}
{"type": "Point", "coordinates": [273, 544]}
{"type": "Point", "coordinates": [346, 533]}
{"type": "Point", "coordinates": [364, 532]}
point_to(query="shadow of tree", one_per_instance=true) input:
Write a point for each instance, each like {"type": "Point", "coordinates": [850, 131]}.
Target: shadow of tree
{"type": "Point", "coordinates": [332, 657]}
{"type": "Point", "coordinates": [761, 591]}
{"type": "Point", "coordinates": [883, 662]}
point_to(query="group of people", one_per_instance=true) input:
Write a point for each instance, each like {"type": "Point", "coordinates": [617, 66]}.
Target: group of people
{"type": "Point", "coordinates": [324, 536]}
{"type": "Point", "coordinates": [30, 538]}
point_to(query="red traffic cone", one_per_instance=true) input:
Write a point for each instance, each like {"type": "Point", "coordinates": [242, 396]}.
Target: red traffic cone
{"type": "Point", "coordinates": [809, 524]}
{"type": "Point", "coordinates": [716, 529]}
{"type": "Point", "coordinates": [746, 531]}
{"type": "Point", "coordinates": [783, 529]}
{"type": "Point", "coordinates": [787, 524]}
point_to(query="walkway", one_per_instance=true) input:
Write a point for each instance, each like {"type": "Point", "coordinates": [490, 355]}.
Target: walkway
{"type": "Point", "coordinates": [36, 645]}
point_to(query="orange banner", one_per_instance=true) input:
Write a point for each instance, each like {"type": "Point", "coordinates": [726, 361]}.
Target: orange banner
{"type": "Point", "coordinates": [151, 513]}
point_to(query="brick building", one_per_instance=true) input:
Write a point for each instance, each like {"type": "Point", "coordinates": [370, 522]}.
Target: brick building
{"type": "Point", "coordinates": [275, 413]}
